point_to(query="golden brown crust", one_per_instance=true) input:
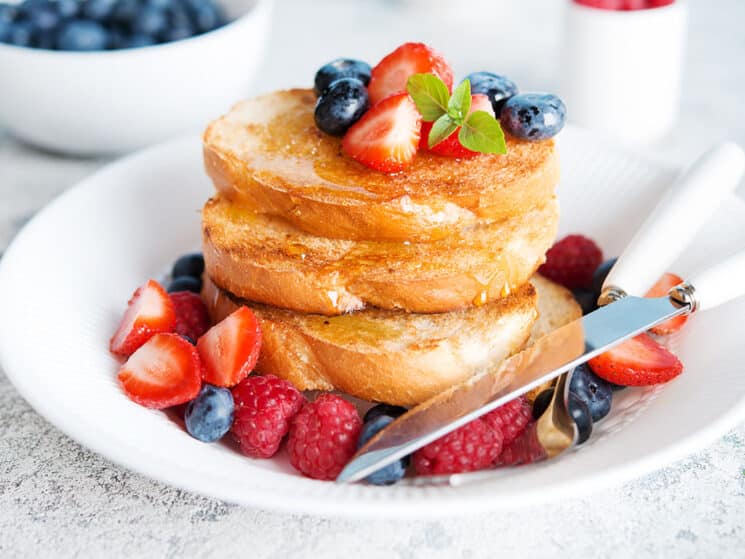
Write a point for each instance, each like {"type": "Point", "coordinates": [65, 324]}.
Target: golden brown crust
{"type": "Point", "coordinates": [267, 260]}
{"type": "Point", "coordinates": [267, 154]}
{"type": "Point", "coordinates": [382, 355]}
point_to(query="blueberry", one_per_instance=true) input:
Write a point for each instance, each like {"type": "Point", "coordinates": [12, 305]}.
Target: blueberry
{"type": "Point", "coordinates": [67, 9]}
{"type": "Point", "coordinates": [541, 402]}
{"type": "Point", "coordinates": [189, 265]}
{"type": "Point", "coordinates": [185, 283]}
{"type": "Point", "coordinates": [46, 39]}
{"type": "Point", "coordinates": [209, 416]}
{"type": "Point", "coordinates": [177, 33]}
{"type": "Point", "coordinates": [598, 277]}
{"type": "Point", "coordinates": [582, 418]}
{"type": "Point", "coordinates": [21, 34]}
{"type": "Point", "coordinates": [8, 13]}
{"type": "Point", "coordinates": [189, 339]}
{"type": "Point", "coordinates": [206, 16]}
{"type": "Point", "coordinates": [150, 21]}
{"type": "Point", "coordinates": [586, 298]}
{"type": "Point", "coordinates": [391, 473]}
{"type": "Point", "coordinates": [341, 105]}
{"type": "Point", "coordinates": [383, 409]}
{"type": "Point", "coordinates": [44, 18]}
{"type": "Point", "coordinates": [160, 4]}
{"type": "Point", "coordinates": [99, 10]}
{"type": "Point", "coordinates": [592, 390]}
{"type": "Point", "coordinates": [179, 17]}
{"type": "Point", "coordinates": [126, 11]}
{"type": "Point", "coordinates": [533, 116]}
{"type": "Point", "coordinates": [497, 88]}
{"type": "Point", "coordinates": [341, 68]}
{"type": "Point", "coordinates": [138, 40]}
{"type": "Point", "coordinates": [82, 35]}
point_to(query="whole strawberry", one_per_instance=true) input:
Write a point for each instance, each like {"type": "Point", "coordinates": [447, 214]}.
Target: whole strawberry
{"type": "Point", "coordinates": [323, 437]}
{"type": "Point", "coordinates": [192, 319]}
{"type": "Point", "coordinates": [572, 261]}
{"type": "Point", "coordinates": [472, 447]}
{"type": "Point", "coordinates": [264, 408]}
{"type": "Point", "coordinates": [510, 419]}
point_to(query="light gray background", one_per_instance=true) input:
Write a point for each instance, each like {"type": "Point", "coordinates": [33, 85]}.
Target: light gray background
{"type": "Point", "coordinates": [59, 500]}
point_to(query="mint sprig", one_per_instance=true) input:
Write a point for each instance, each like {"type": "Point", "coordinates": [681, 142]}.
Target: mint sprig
{"type": "Point", "coordinates": [479, 131]}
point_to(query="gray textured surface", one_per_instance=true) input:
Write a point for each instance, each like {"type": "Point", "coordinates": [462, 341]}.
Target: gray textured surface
{"type": "Point", "coordinates": [59, 500]}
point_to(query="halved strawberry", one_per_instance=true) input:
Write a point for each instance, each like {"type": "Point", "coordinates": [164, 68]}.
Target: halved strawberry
{"type": "Point", "coordinates": [164, 372]}
{"type": "Point", "coordinates": [391, 74]}
{"type": "Point", "coordinates": [639, 361]}
{"type": "Point", "coordinates": [451, 146]}
{"type": "Point", "coordinates": [387, 136]}
{"type": "Point", "coordinates": [660, 289]}
{"type": "Point", "coordinates": [150, 311]}
{"type": "Point", "coordinates": [229, 350]}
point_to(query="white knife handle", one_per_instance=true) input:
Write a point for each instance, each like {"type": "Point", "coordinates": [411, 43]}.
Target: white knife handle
{"type": "Point", "coordinates": [717, 285]}
{"type": "Point", "coordinates": [681, 212]}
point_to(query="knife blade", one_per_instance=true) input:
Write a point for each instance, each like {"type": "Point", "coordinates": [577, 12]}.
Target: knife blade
{"type": "Point", "coordinates": [555, 353]}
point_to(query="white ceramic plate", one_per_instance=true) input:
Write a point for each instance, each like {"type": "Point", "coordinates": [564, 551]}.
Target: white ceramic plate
{"type": "Point", "coordinates": [67, 276]}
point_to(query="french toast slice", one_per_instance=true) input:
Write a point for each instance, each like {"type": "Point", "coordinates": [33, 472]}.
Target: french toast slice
{"type": "Point", "coordinates": [265, 259]}
{"type": "Point", "coordinates": [268, 154]}
{"type": "Point", "coordinates": [396, 357]}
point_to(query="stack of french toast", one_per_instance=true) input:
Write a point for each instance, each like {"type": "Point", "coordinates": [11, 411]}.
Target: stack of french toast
{"type": "Point", "coordinates": [389, 288]}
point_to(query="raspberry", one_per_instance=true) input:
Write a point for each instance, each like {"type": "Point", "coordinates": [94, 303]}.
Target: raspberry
{"type": "Point", "coordinates": [469, 448]}
{"type": "Point", "coordinates": [525, 449]}
{"type": "Point", "coordinates": [323, 437]}
{"type": "Point", "coordinates": [192, 319]}
{"type": "Point", "coordinates": [510, 419]}
{"type": "Point", "coordinates": [572, 261]}
{"type": "Point", "coordinates": [264, 407]}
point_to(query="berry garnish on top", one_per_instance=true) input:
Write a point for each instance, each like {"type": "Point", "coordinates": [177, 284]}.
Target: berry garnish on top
{"type": "Point", "coordinates": [342, 104]}
{"type": "Point", "coordinates": [387, 136]}
{"type": "Point", "coordinates": [533, 116]}
{"type": "Point", "coordinates": [451, 115]}
{"type": "Point", "coordinates": [391, 74]}
{"type": "Point", "coordinates": [338, 69]}
{"type": "Point", "coordinates": [497, 88]}
{"type": "Point", "coordinates": [451, 146]}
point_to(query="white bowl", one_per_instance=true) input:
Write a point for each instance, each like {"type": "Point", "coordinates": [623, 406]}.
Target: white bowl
{"type": "Point", "coordinates": [118, 100]}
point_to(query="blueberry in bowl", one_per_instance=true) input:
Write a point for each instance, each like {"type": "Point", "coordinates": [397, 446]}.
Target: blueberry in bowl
{"type": "Point", "coordinates": [93, 25]}
{"type": "Point", "coordinates": [132, 72]}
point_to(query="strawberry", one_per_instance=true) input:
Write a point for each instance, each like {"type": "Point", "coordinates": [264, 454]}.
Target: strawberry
{"type": "Point", "coordinates": [451, 146]}
{"type": "Point", "coordinates": [386, 137]}
{"type": "Point", "coordinates": [389, 77]}
{"type": "Point", "coordinates": [660, 289]}
{"type": "Point", "coordinates": [149, 311]}
{"type": "Point", "coordinates": [163, 372]}
{"type": "Point", "coordinates": [639, 361]}
{"type": "Point", "coordinates": [230, 349]}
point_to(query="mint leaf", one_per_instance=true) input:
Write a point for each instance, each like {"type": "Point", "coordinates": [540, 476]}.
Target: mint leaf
{"type": "Point", "coordinates": [430, 94]}
{"type": "Point", "coordinates": [460, 102]}
{"type": "Point", "coordinates": [441, 129]}
{"type": "Point", "coordinates": [481, 132]}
